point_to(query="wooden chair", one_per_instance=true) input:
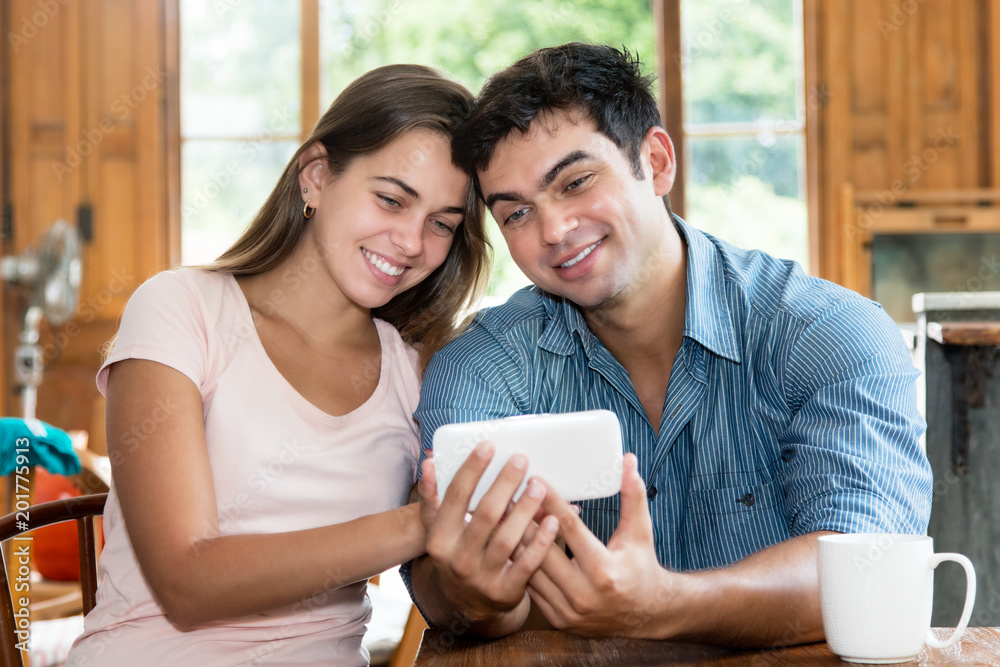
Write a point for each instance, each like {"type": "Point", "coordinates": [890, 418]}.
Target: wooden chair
{"type": "Point", "coordinates": [406, 653]}
{"type": "Point", "coordinates": [81, 509]}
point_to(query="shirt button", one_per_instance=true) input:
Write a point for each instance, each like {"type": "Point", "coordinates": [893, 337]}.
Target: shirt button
{"type": "Point", "coordinates": [651, 492]}
{"type": "Point", "coordinates": [747, 500]}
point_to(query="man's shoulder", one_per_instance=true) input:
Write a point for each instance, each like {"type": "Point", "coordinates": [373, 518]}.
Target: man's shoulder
{"type": "Point", "coordinates": [525, 304]}
{"type": "Point", "coordinates": [793, 307]}
{"type": "Point", "coordinates": [513, 325]}
{"type": "Point", "coordinates": [774, 287]}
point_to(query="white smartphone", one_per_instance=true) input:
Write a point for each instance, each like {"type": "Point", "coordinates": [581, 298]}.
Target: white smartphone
{"type": "Point", "coordinates": [578, 453]}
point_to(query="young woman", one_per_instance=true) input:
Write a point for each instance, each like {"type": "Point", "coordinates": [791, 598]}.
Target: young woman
{"type": "Point", "coordinates": [259, 409]}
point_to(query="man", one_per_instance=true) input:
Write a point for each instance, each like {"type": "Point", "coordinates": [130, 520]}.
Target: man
{"type": "Point", "coordinates": [760, 407]}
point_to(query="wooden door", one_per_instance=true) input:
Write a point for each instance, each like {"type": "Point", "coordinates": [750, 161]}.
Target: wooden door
{"type": "Point", "coordinates": [86, 117]}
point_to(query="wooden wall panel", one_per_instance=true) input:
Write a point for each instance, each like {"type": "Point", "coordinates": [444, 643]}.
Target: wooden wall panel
{"type": "Point", "coordinates": [667, 17]}
{"type": "Point", "coordinates": [971, 55]}
{"type": "Point", "coordinates": [833, 120]}
{"type": "Point", "coordinates": [4, 195]}
{"type": "Point", "coordinates": [814, 99]}
{"type": "Point", "coordinates": [991, 84]}
{"type": "Point", "coordinates": [897, 82]}
{"type": "Point", "coordinates": [86, 115]}
{"type": "Point", "coordinates": [868, 95]}
{"type": "Point", "coordinates": [44, 126]}
{"type": "Point", "coordinates": [125, 182]}
{"type": "Point", "coordinates": [904, 85]}
{"type": "Point", "coordinates": [44, 122]}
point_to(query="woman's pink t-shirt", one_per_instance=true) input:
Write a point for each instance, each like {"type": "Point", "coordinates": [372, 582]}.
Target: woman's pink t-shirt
{"type": "Point", "coordinates": [279, 464]}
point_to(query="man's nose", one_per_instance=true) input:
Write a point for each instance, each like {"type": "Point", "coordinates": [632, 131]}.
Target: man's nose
{"type": "Point", "coordinates": [556, 223]}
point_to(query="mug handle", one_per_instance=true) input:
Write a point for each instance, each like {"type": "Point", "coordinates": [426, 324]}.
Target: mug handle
{"type": "Point", "coordinates": [970, 598]}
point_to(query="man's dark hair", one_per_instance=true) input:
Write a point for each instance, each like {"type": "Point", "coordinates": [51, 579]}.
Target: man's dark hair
{"type": "Point", "coordinates": [603, 82]}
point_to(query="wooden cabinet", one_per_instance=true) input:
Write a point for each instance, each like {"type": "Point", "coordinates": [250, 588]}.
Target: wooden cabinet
{"type": "Point", "coordinates": [902, 98]}
{"type": "Point", "coordinates": [87, 126]}
{"type": "Point", "coordinates": [919, 241]}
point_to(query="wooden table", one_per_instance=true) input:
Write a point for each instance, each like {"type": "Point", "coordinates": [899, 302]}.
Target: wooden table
{"type": "Point", "coordinates": [978, 646]}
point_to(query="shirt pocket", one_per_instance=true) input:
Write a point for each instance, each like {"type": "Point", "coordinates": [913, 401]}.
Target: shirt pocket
{"type": "Point", "coordinates": [741, 499]}
{"type": "Point", "coordinates": [725, 525]}
{"type": "Point", "coordinates": [601, 515]}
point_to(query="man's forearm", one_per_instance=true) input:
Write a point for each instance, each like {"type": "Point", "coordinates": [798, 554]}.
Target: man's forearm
{"type": "Point", "coordinates": [768, 599]}
{"type": "Point", "coordinates": [446, 614]}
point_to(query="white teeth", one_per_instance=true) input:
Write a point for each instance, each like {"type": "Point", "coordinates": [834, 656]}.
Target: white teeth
{"type": "Point", "coordinates": [586, 251]}
{"type": "Point", "coordinates": [382, 265]}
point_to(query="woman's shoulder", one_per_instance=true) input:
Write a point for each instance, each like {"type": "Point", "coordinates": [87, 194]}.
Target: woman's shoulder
{"type": "Point", "coordinates": [398, 350]}
{"type": "Point", "coordinates": [182, 281]}
{"type": "Point", "coordinates": [187, 287]}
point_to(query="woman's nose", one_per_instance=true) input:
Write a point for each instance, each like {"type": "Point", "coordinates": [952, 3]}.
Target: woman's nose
{"type": "Point", "coordinates": [408, 236]}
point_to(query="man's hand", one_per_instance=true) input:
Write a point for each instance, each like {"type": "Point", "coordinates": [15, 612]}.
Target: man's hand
{"type": "Point", "coordinates": [770, 598]}
{"type": "Point", "coordinates": [618, 590]}
{"type": "Point", "coordinates": [475, 568]}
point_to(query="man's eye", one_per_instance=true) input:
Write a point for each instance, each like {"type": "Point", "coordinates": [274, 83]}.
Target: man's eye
{"type": "Point", "coordinates": [578, 182]}
{"type": "Point", "coordinates": [389, 201]}
{"type": "Point", "coordinates": [516, 216]}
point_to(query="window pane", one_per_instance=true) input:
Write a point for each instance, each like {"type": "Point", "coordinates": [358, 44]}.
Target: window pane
{"type": "Point", "coordinates": [240, 65]}
{"type": "Point", "coordinates": [748, 192]}
{"type": "Point", "coordinates": [471, 40]}
{"type": "Point", "coordinates": [741, 61]}
{"type": "Point", "coordinates": [223, 184]}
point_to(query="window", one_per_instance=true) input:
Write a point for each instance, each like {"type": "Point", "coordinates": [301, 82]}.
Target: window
{"type": "Point", "coordinates": [744, 123]}
{"type": "Point", "coordinates": [240, 115]}
{"type": "Point", "coordinates": [241, 83]}
{"type": "Point", "coordinates": [255, 76]}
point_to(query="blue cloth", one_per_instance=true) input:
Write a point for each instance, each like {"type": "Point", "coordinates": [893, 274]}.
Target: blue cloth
{"type": "Point", "coordinates": [45, 446]}
{"type": "Point", "coordinates": [791, 406]}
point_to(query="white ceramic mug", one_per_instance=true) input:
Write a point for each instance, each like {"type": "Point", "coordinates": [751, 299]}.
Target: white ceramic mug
{"type": "Point", "coordinates": [877, 591]}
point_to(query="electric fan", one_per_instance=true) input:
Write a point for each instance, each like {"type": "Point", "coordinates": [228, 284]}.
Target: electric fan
{"type": "Point", "coordinates": [54, 274]}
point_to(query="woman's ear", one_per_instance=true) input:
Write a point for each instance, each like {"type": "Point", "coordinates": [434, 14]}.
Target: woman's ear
{"type": "Point", "coordinates": [661, 159]}
{"type": "Point", "coordinates": [312, 171]}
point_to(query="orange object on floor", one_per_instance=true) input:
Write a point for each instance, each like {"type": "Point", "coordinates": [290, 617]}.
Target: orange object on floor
{"type": "Point", "coordinates": [56, 553]}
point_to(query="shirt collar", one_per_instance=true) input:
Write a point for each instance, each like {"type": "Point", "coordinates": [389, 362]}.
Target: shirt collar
{"type": "Point", "coordinates": [707, 316]}
{"type": "Point", "coordinates": [565, 319]}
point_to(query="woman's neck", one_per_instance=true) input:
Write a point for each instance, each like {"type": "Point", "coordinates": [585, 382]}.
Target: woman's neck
{"type": "Point", "coordinates": [300, 294]}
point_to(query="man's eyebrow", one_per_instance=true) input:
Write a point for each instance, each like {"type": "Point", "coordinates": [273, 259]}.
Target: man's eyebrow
{"type": "Point", "coordinates": [576, 156]}
{"type": "Point", "coordinates": [398, 183]}
{"type": "Point", "coordinates": [503, 196]}
{"type": "Point", "coordinates": [544, 182]}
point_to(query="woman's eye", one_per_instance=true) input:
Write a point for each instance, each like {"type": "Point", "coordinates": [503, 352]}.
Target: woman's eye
{"type": "Point", "coordinates": [442, 227]}
{"type": "Point", "coordinates": [389, 201]}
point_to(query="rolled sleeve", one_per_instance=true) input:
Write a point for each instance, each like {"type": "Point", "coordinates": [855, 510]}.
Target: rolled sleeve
{"type": "Point", "coordinates": [855, 464]}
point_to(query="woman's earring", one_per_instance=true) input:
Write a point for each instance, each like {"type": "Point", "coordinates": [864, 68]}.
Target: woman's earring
{"type": "Point", "coordinates": [308, 212]}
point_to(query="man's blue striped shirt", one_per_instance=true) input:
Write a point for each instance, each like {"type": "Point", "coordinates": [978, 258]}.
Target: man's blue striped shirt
{"type": "Point", "coordinates": [791, 405]}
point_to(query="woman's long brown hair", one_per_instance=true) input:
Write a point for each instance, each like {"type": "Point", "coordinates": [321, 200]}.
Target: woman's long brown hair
{"type": "Point", "coordinates": [370, 113]}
